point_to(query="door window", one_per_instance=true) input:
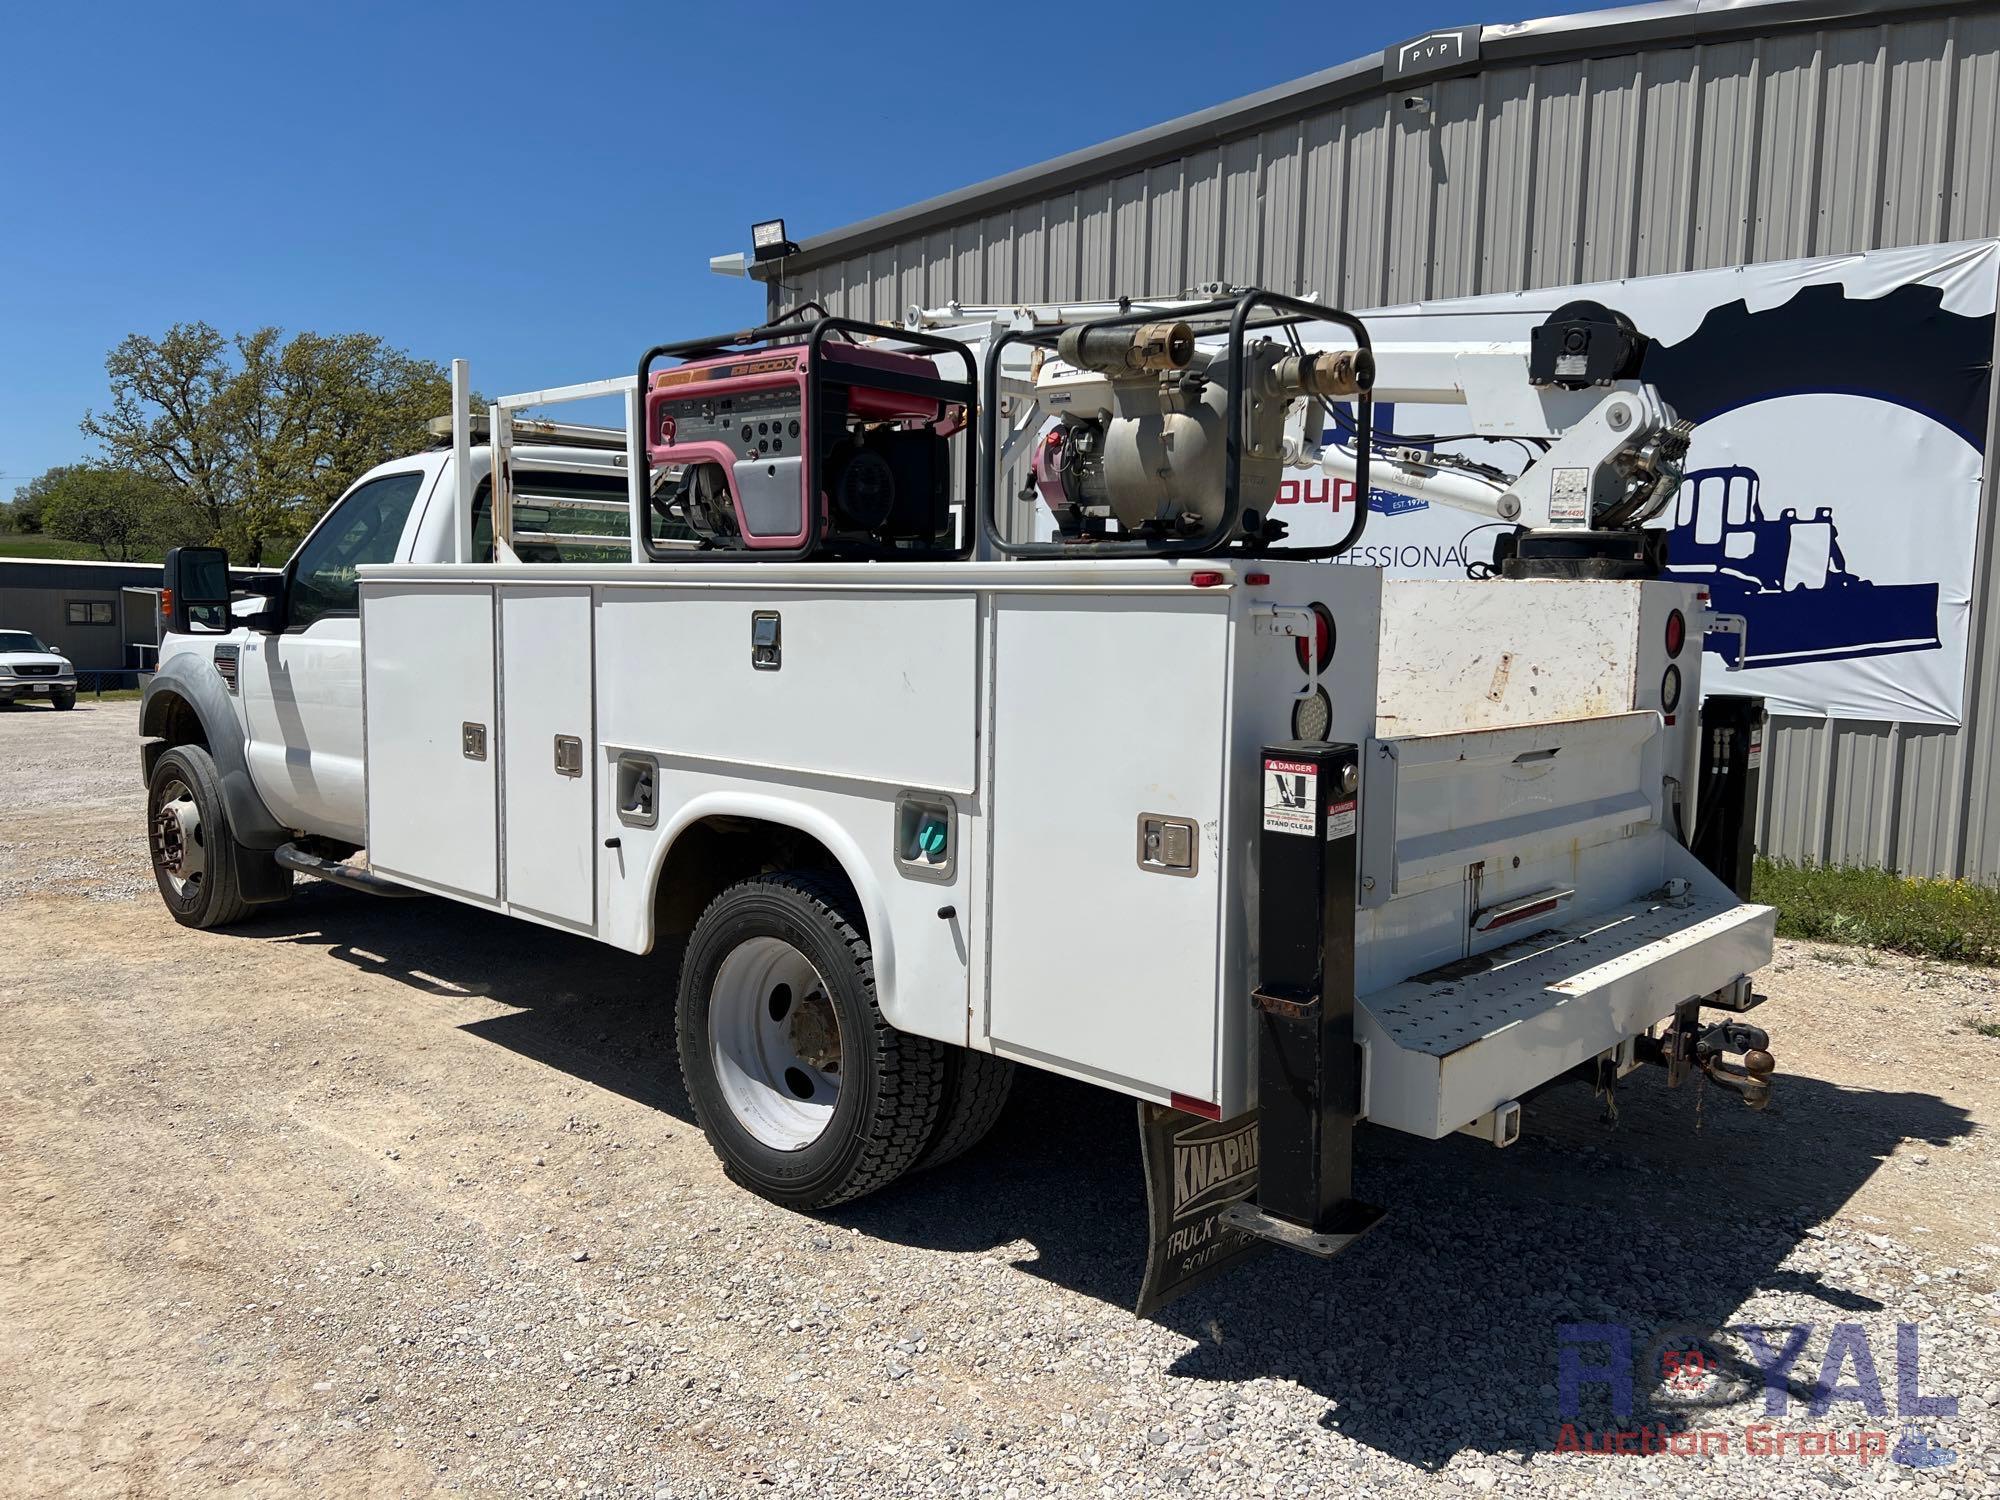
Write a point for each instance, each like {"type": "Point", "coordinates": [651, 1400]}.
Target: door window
{"type": "Point", "coordinates": [364, 528]}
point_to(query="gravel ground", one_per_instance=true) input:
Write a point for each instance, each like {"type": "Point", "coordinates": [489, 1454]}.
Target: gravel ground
{"type": "Point", "coordinates": [401, 1198]}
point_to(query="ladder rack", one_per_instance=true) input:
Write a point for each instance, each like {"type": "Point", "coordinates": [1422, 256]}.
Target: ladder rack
{"type": "Point", "coordinates": [503, 429]}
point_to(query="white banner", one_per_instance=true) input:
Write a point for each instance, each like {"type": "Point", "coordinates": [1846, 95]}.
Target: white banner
{"type": "Point", "coordinates": [1833, 480]}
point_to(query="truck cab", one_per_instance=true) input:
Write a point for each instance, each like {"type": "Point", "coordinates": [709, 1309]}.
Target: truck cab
{"type": "Point", "coordinates": [289, 673]}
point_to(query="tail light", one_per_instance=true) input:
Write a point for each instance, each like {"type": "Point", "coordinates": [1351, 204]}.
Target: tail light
{"type": "Point", "coordinates": [1677, 632]}
{"type": "Point", "coordinates": [1315, 654]}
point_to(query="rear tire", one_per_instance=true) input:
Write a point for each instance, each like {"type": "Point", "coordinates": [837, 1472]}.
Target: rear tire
{"type": "Point", "coordinates": [809, 1097]}
{"type": "Point", "coordinates": [62, 702]}
{"type": "Point", "coordinates": [975, 1095]}
{"type": "Point", "coordinates": [187, 829]}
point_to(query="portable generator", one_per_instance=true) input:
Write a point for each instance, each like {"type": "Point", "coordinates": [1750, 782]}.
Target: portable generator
{"type": "Point", "coordinates": [738, 438]}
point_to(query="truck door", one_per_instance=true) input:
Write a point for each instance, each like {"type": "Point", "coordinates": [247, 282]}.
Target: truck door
{"type": "Point", "coordinates": [302, 688]}
{"type": "Point", "coordinates": [548, 753]}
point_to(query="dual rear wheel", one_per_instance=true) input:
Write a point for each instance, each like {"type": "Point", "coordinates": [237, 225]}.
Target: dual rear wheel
{"type": "Point", "coordinates": [808, 1095]}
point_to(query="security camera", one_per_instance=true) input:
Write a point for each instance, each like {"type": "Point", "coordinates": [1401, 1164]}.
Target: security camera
{"type": "Point", "coordinates": [1415, 101]}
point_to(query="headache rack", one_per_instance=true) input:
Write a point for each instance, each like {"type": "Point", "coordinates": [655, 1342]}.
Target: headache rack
{"type": "Point", "coordinates": [573, 449]}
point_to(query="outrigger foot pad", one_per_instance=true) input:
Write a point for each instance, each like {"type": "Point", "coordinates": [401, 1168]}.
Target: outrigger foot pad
{"type": "Point", "coordinates": [1351, 1221]}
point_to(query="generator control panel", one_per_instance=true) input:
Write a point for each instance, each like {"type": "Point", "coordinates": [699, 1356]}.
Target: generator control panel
{"type": "Point", "coordinates": [736, 440]}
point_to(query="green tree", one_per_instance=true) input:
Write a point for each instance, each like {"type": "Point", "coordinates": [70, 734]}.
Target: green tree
{"type": "Point", "coordinates": [121, 512]}
{"type": "Point", "coordinates": [260, 433]}
{"type": "Point", "coordinates": [24, 515]}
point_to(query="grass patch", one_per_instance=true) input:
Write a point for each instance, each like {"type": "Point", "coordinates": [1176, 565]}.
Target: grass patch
{"type": "Point", "coordinates": [42, 546]}
{"type": "Point", "coordinates": [1945, 919]}
{"type": "Point", "coordinates": [1987, 1028]}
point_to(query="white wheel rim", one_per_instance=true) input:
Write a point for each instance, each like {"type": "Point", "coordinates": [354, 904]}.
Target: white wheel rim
{"type": "Point", "coordinates": [775, 1040]}
{"type": "Point", "coordinates": [177, 846]}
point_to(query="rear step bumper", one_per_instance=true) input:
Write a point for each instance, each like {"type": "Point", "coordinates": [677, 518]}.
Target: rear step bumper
{"type": "Point", "coordinates": [1449, 1045]}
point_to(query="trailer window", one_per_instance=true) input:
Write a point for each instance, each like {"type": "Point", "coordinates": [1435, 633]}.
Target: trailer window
{"type": "Point", "coordinates": [366, 527]}
{"type": "Point", "coordinates": [86, 612]}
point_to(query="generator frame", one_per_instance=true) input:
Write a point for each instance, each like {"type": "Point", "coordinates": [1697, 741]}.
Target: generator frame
{"type": "Point", "coordinates": [819, 372]}
{"type": "Point", "coordinates": [1240, 311]}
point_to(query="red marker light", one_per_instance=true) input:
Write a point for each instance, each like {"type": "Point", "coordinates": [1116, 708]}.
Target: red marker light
{"type": "Point", "coordinates": [1194, 1106]}
{"type": "Point", "coordinates": [1206, 580]}
{"type": "Point", "coordinates": [1677, 632]}
{"type": "Point", "coordinates": [1322, 642]}
{"type": "Point", "coordinates": [1256, 580]}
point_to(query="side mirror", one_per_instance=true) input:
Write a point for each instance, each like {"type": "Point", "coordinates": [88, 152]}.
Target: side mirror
{"type": "Point", "coordinates": [194, 589]}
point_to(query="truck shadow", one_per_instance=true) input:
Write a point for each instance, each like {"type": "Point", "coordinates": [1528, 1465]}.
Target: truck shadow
{"type": "Point", "coordinates": [1435, 1335]}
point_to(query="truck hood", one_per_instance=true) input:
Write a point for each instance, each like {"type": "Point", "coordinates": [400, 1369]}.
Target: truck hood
{"type": "Point", "coordinates": [33, 659]}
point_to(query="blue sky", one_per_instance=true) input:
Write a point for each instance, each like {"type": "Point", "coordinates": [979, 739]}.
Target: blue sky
{"type": "Point", "coordinates": [536, 188]}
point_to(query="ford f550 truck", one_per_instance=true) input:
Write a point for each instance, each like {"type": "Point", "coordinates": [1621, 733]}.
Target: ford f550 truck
{"type": "Point", "coordinates": [944, 696]}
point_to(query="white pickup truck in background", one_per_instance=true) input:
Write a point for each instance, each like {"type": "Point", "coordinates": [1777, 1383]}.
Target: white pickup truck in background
{"type": "Point", "coordinates": [1264, 843]}
{"type": "Point", "coordinates": [30, 670]}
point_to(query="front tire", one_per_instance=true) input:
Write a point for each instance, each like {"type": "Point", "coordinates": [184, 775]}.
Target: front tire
{"type": "Point", "coordinates": [809, 1097]}
{"type": "Point", "coordinates": [63, 701]}
{"type": "Point", "coordinates": [187, 828]}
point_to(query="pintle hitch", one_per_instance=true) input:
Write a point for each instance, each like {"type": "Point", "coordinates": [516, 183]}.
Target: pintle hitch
{"type": "Point", "coordinates": [1752, 1077]}
{"type": "Point", "coordinates": [1688, 1044]}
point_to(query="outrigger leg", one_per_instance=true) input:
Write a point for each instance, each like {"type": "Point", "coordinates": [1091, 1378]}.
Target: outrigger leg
{"type": "Point", "coordinates": [1308, 1066]}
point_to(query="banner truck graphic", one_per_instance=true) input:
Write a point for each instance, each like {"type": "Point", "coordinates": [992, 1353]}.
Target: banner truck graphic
{"type": "Point", "coordinates": [1834, 474]}
{"type": "Point", "coordinates": [1787, 576]}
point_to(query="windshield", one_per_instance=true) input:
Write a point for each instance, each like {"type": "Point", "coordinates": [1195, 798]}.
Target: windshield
{"type": "Point", "coordinates": [19, 640]}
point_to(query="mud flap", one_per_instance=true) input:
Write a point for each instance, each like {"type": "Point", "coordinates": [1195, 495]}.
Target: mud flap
{"type": "Point", "coordinates": [1195, 1169]}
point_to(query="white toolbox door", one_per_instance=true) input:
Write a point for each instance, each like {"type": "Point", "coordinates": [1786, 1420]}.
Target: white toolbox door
{"type": "Point", "coordinates": [428, 664]}
{"type": "Point", "coordinates": [545, 695]}
{"type": "Point", "coordinates": [1104, 710]}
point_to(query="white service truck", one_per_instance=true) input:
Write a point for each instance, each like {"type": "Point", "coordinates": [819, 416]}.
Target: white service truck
{"type": "Point", "coordinates": [944, 697]}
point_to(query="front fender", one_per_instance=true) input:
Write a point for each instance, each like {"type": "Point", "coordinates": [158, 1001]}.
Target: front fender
{"type": "Point", "coordinates": [190, 677]}
{"type": "Point", "coordinates": [808, 820]}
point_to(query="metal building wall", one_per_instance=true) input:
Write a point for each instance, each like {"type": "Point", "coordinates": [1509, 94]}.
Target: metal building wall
{"type": "Point", "coordinates": [35, 595]}
{"type": "Point", "coordinates": [1663, 155]}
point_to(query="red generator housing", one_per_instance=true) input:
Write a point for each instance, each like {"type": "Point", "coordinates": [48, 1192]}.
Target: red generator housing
{"type": "Point", "coordinates": [738, 440]}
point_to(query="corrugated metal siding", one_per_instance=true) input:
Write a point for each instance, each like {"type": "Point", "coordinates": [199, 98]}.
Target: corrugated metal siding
{"type": "Point", "coordinates": [1805, 141]}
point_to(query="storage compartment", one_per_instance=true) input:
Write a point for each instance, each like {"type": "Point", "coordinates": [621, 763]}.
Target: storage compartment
{"type": "Point", "coordinates": [432, 736]}
{"type": "Point", "coordinates": [550, 740]}
{"type": "Point", "coordinates": [875, 685]}
{"type": "Point", "coordinates": [1108, 711]}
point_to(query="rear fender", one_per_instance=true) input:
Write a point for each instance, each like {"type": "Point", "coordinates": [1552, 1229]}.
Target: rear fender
{"type": "Point", "coordinates": [817, 825]}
